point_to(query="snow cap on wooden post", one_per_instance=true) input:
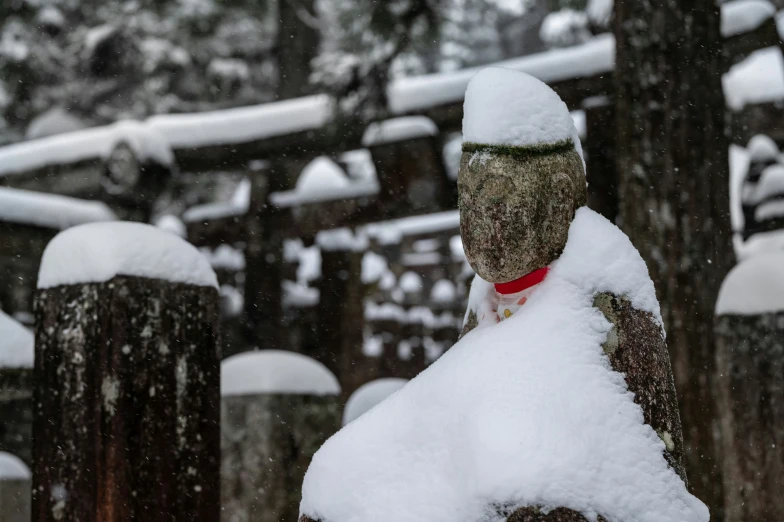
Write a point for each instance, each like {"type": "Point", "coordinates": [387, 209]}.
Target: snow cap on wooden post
{"type": "Point", "coordinates": [520, 148]}
{"type": "Point", "coordinates": [127, 396]}
{"type": "Point", "coordinates": [16, 388]}
{"type": "Point", "coordinates": [749, 347]}
{"type": "Point", "coordinates": [15, 489]}
{"type": "Point", "coordinates": [278, 407]}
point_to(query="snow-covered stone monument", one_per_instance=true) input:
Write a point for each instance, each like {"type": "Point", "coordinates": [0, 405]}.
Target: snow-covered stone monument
{"type": "Point", "coordinates": [16, 388]}
{"type": "Point", "coordinates": [558, 403]}
{"type": "Point", "coordinates": [750, 366]}
{"type": "Point", "coordinates": [277, 408]}
{"type": "Point", "coordinates": [126, 401]}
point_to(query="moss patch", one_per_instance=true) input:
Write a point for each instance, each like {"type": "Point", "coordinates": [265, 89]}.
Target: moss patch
{"type": "Point", "coordinates": [528, 151]}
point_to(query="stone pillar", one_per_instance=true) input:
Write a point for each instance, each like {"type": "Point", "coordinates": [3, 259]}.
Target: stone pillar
{"type": "Point", "coordinates": [277, 409]}
{"type": "Point", "coordinates": [14, 489]}
{"type": "Point", "coordinates": [750, 368]}
{"type": "Point", "coordinates": [126, 418]}
{"type": "Point", "coordinates": [16, 388]}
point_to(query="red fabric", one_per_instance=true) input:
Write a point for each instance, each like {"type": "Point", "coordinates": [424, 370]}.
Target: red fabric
{"type": "Point", "coordinates": [527, 281]}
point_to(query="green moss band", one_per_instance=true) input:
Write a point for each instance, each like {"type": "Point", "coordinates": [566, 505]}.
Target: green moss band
{"type": "Point", "coordinates": [528, 151]}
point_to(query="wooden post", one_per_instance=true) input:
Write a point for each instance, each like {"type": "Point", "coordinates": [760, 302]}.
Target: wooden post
{"type": "Point", "coordinates": [126, 419]}
{"type": "Point", "coordinates": [750, 366]}
{"type": "Point", "coordinates": [277, 409]}
{"type": "Point", "coordinates": [16, 388]}
{"type": "Point", "coordinates": [14, 489]}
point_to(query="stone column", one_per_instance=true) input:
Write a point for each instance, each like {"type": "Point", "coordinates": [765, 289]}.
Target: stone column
{"type": "Point", "coordinates": [126, 419]}
{"type": "Point", "coordinates": [750, 368]}
{"type": "Point", "coordinates": [16, 388]}
{"type": "Point", "coordinates": [14, 489]}
{"type": "Point", "coordinates": [277, 409]}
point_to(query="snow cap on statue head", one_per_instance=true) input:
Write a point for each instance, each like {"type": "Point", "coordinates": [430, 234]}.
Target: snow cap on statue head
{"type": "Point", "coordinates": [522, 175]}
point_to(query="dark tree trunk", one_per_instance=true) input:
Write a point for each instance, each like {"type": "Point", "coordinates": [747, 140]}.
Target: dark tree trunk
{"type": "Point", "coordinates": [674, 201]}
{"type": "Point", "coordinates": [267, 444]}
{"type": "Point", "coordinates": [126, 420]}
{"type": "Point", "coordinates": [750, 360]}
{"type": "Point", "coordinates": [298, 41]}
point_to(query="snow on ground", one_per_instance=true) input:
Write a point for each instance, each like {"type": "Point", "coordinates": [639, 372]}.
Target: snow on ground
{"type": "Point", "coordinates": [97, 252]}
{"type": "Point", "coordinates": [742, 16]}
{"type": "Point", "coordinates": [754, 286]}
{"type": "Point", "coordinates": [237, 206]}
{"type": "Point", "coordinates": [13, 468]}
{"type": "Point", "coordinates": [17, 344]}
{"type": "Point", "coordinates": [53, 211]}
{"type": "Point", "coordinates": [398, 129]}
{"type": "Point", "coordinates": [526, 412]}
{"type": "Point", "coordinates": [368, 395]}
{"type": "Point", "coordinates": [276, 372]}
{"type": "Point", "coordinates": [98, 142]}
{"type": "Point", "coordinates": [232, 126]}
{"type": "Point", "coordinates": [757, 79]}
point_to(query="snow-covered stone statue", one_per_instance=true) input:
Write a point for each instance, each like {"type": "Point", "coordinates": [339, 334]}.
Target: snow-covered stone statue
{"type": "Point", "coordinates": [558, 402]}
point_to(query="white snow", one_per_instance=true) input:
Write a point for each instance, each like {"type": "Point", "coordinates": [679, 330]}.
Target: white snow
{"type": "Point", "coordinates": [232, 126]}
{"type": "Point", "coordinates": [309, 267]}
{"type": "Point", "coordinates": [232, 301]}
{"type": "Point", "coordinates": [299, 295]}
{"type": "Point", "coordinates": [769, 210]}
{"type": "Point", "coordinates": [228, 68]}
{"type": "Point", "coordinates": [600, 11]}
{"type": "Point", "coordinates": [564, 28]}
{"type": "Point", "coordinates": [507, 107]}
{"type": "Point", "coordinates": [237, 206]}
{"type": "Point", "coordinates": [772, 241]}
{"type": "Point", "coordinates": [757, 79]}
{"type": "Point", "coordinates": [410, 282]}
{"type": "Point", "coordinates": [171, 224]}
{"type": "Point", "coordinates": [374, 266]}
{"type": "Point", "coordinates": [526, 412]}
{"type": "Point", "coordinates": [389, 232]}
{"type": "Point", "coordinates": [739, 167]}
{"type": "Point", "coordinates": [398, 129]}
{"type": "Point", "coordinates": [39, 209]}
{"type": "Point", "coordinates": [755, 286]}
{"type": "Point", "coordinates": [17, 344]}
{"type": "Point", "coordinates": [54, 121]}
{"type": "Point", "coordinates": [276, 372]}
{"type": "Point", "coordinates": [456, 247]}
{"type": "Point", "coordinates": [342, 239]}
{"type": "Point", "coordinates": [580, 124]}
{"type": "Point", "coordinates": [384, 312]}
{"type": "Point", "coordinates": [97, 142]}
{"type": "Point", "coordinates": [742, 16]}
{"type": "Point", "coordinates": [372, 346]}
{"type": "Point", "coordinates": [443, 291]}
{"type": "Point", "coordinates": [323, 180]}
{"type": "Point", "coordinates": [13, 468]}
{"type": "Point", "coordinates": [97, 252]}
{"type": "Point", "coordinates": [225, 257]}
{"type": "Point", "coordinates": [597, 56]}
{"type": "Point", "coordinates": [321, 174]}
{"type": "Point", "coordinates": [762, 148]}
{"type": "Point", "coordinates": [452, 152]}
{"type": "Point", "coordinates": [771, 183]}
{"type": "Point", "coordinates": [368, 395]}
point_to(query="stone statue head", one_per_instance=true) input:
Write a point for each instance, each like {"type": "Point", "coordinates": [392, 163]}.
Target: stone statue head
{"type": "Point", "coordinates": [521, 177]}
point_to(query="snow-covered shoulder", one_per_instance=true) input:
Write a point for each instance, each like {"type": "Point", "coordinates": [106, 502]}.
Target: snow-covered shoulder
{"type": "Point", "coordinates": [12, 467]}
{"type": "Point", "coordinates": [17, 344]}
{"type": "Point", "coordinates": [369, 395]}
{"type": "Point", "coordinates": [97, 252]}
{"type": "Point", "coordinates": [526, 412]}
{"type": "Point", "coordinates": [754, 286]}
{"type": "Point", "coordinates": [276, 372]}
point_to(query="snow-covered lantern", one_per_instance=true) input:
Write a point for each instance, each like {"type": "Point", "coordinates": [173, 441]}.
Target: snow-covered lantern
{"type": "Point", "coordinates": [16, 387]}
{"type": "Point", "coordinates": [15, 489]}
{"type": "Point", "coordinates": [368, 395]}
{"type": "Point", "coordinates": [749, 330]}
{"type": "Point", "coordinates": [277, 408]}
{"type": "Point", "coordinates": [409, 162]}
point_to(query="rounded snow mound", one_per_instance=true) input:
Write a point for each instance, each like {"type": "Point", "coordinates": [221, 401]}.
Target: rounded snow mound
{"type": "Point", "coordinates": [17, 344]}
{"type": "Point", "coordinates": [771, 183]}
{"type": "Point", "coordinates": [12, 467]}
{"type": "Point", "coordinates": [762, 148]}
{"type": "Point", "coordinates": [321, 174]}
{"type": "Point", "coordinates": [276, 372]}
{"type": "Point", "coordinates": [368, 395]}
{"type": "Point", "coordinates": [172, 224]}
{"type": "Point", "coordinates": [755, 286]}
{"type": "Point", "coordinates": [507, 107]}
{"type": "Point", "coordinates": [97, 252]}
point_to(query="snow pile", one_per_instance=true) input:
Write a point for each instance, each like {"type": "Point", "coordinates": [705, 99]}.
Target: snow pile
{"type": "Point", "coordinates": [232, 301]}
{"type": "Point", "coordinates": [342, 239]}
{"type": "Point", "coordinates": [12, 468]}
{"type": "Point", "coordinates": [299, 295]}
{"type": "Point", "coordinates": [762, 148]}
{"type": "Point", "coordinates": [237, 206]}
{"type": "Point", "coordinates": [225, 257]}
{"type": "Point", "coordinates": [98, 142]}
{"type": "Point", "coordinates": [321, 174]}
{"type": "Point", "coordinates": [276, 372]}
{"type": "Point", "coordinates": [564, 28]}
{"type": "Point", "coordinates": [600, 11]}
{"type": "Point", "coordinates": [39, 209]}
{"type": "Point", "coordinates": [309, 267]}
{"type": "Point", "coordinates": [368, 395]}
{"type": "Point", "coordinates": [323, 180]}
{"type": "Point", "coordinates": [760, 243]}
{"type": "Point", "coordinates": [757, 79]}
{"type": "Point", "coordinates": [17, 344]}
{"type": "Point", "coordinates": [755, 286]}
{"type": "Point", "coordinates": [769, 210]}
{"type": "Point", "coordinates": [171, 224]}
{"type": "Point", "coordinates": [506, 107]}
{"type": "Point", "coordinates": [526, 412]}
{"type": "Point", "coordinates": [443, 291]}
{"type": "Point", "coordinates": [398, 129]}
{"type": "Point", "coordinates": [244, 124]}
{"type": "Point", "coordinates": [374, 267]}
{"type": "Point", "coordinates": [54, 121]}
{"type": "Point", "coordinates": [771, 183]}
{"type": "Point", "coordinates": [372, 346]}
{"type": "Point", "coordinates": [390, 232]}
{"type": "Point", "coordinates": [742, 16]}
{"type": "Point", "coordinates": [97, 252]}
{"type": "Point", "coordinates": [410, 283]}
{"type": "Point", "coordinates": [451, 154]}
